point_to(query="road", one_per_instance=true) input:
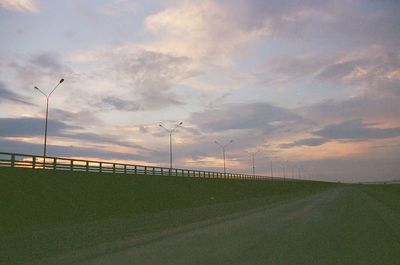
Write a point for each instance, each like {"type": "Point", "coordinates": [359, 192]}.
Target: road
{"type": "Point", "coordinates": [337, 226]}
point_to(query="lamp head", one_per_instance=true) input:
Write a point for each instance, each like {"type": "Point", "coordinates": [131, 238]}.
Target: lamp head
{"type": "Point", "coordinates": [62, 80]}
{"type": "Point", "coordinates": [181, 123]}
{"type": "Point", "coordinates": [36, 88]}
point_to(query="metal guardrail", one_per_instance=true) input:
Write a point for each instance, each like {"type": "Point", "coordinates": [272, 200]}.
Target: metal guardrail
{"type": "Point", "coordinates": [69, 164]}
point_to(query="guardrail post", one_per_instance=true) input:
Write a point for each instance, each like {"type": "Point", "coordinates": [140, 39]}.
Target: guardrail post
{"type": "Point", "coordinates": [113, 167]}
{"type": "Point", "coordinates": [87, 166]}
{"type": "Point", "coordinates": [125, 169]}
{"type": "Point", "coordinates": [162, 171]}
{"type": "Point", "coordinates": [135, 170]}
{"type": "Point", "coordinates": [176, 172]}
{"type": "Point", "coordinates": [71, 165]}
{"type": "Point", "coordinates": [154, 171]}
{"type": "Point", "coordinates": [145, 170]}
{"type": "Point", "coordinates": [12, 160]}
{"type": "Point", "coordinates": [54, 163]}
{"type": "Point", "coordinates": [33, 161]}
{"type": "Point", "coordinates": [101, 167]}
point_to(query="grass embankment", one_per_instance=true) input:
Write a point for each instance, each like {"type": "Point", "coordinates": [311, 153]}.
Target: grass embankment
{"type": "Point", "coordinates": [388, 194]}
{"type": "Point", "coordinates": [47, 212]}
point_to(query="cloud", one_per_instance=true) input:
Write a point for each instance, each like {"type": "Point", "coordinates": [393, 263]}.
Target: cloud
{"type": "Point", "coordinates": [49, 61]}
{"type": "Point", "coordinates": [103, 139]}
{"type": "Point", "coordinates": [206, 30]}
{"type": "Point", "coordinates": [337, 71]}
{"type": "Point", "coordinates": [356, 130]}
{"type": "Point", "coordinates": [352, 23]}
{"type": "Point", "coordinates": [81, 117]}
{"type": "Point", "coordinates": [145, 78]}
{"type": "Point", "coordinates": [119, 104]}
{"type": "Point", "coordinates": [360, 107]}
{"type": "Point", "coordinates": [305, 142]}
{"type": "Point", "coordinates": [66, 151]}
{"type": "Point", "coordinates": [351, 130]}
{"type": "Point", "coordinates": [8, 95]}
{"type": "Point", "coordinates": [40, 68]}
{"type": "Point", "coordinates": [17, 127]}
{"type": "Point", "coordinates": [25, 6]}
{"type": "Point", "coordinates": [375, 68]}
{"type": "Point", "coordinates": [246, 116]}
{"type": "Point", "coordinates": [31, 127]}
{"type": "Point", "coordinates": [118, 8]}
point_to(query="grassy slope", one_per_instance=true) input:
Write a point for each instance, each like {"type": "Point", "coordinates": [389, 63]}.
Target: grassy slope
{"type": "Point", "coordinates": [338, 226]}
{"type": "Point", "coordinates": [45, 212]}
{"type": "Point", "coordinates": [389, 195]}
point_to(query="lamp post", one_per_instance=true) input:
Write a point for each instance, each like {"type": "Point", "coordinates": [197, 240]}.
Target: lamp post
{"type": "Point", "coordinates": [272, 170]}
{"type": "Point", "coordinates": [170, 131]}
{"type": "Point", "coordinates": [47, 116]}
{"type": "Point", "coordinates": [270, 166]}
{"type": "Point", "coordinates": [293, 171]}
{"type": "Point", "coordinates": [298, 171]}
{"type": "Point", "coordinates": [284, 168]}
{"type": "Point", "coordinates": [223, 151]}
{"type": "Point", "coordinates": [252, 159]}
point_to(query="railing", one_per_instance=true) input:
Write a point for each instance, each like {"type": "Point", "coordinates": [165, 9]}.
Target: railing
{"type": "Point", "coordinates": [58, 163]}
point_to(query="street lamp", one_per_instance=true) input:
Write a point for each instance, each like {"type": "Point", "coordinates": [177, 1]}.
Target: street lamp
{"type": "Point", "coordinates": [293, 171]}
{"type": "Point", "coordinates": [252, 159]}
{"type": "Point", "coordinates": [272, 170]}
{"type": "Point", "coordinates": [170, 131]}
{"type": "Point", "coordinates": [284, 170]}
{"type": "Point", "coordinates": [223, 150]}
{"type": "Point", "coordinates": [270, 167]}
{"type": "Point", "coordinates": [47, 116]}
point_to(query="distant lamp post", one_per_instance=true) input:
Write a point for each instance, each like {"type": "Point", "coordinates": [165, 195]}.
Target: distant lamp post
{"type": "Point", "coordinates": [170, 131]}
{"type": "Point", "coordinates": [47, 116]}
{"type": "Point", "coordinates": [253, 154]}
{"type": "Point", "coordinates": [284, 168]}
{"type": "Point", "coordinates": [272, 169]}
{"type": "Point", "coordinates": [223, 151]}
{"type": "Point", "coordinates": [293, 171]}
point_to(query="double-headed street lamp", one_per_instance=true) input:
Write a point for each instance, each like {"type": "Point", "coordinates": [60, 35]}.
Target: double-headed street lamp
{"type": "Point", "coordinates": [170, 131]}
{"type": "Point", "coordinates": [47, 116]}
{"type": "Point", "coordinates": [223, 150]}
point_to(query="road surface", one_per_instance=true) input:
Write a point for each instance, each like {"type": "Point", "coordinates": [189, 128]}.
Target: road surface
{"type": "Point", "coordinates": [337, 226]}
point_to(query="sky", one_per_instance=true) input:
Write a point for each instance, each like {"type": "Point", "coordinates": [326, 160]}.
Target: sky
{"type": "Point", "coordinates": [312, 85]}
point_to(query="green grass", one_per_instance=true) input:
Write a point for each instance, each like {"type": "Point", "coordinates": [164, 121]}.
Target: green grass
{"type": "Point", "coordinates": [47, 212]}
{"type": "Point", "coordinates": [389, 195]}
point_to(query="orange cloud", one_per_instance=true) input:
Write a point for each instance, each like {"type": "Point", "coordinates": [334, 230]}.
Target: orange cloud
{"type": "Point", "coordinates": [25, 6]}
